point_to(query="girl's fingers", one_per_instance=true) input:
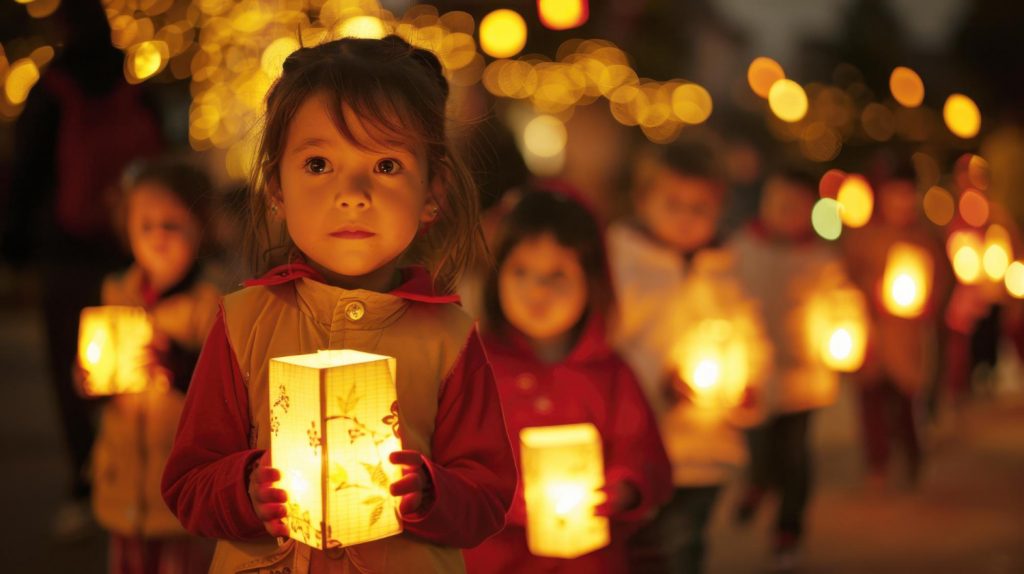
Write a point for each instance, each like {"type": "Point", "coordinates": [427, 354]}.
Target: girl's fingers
{"type": "Point", "coordinates": [270, 512]}
{"type": "Point", "coordinates": [410, 502]}
{"type": "Point", "coordinates": [262, 474]}
{"type": "Point", "coordinates": [276, 528]}
{"type": "Point", "coordinates": [270, 494]}
{"type": "Point", "coordinates": [406, 457]}
{"type": "Point", "coordinates": [408, 484]}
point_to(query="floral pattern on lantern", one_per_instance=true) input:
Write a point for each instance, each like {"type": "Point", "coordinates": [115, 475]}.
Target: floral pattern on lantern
{"type": "Point", "coordinates": [334, 422]}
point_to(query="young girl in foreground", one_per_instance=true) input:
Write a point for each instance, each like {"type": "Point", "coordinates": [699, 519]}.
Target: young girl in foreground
{"type": "Point", "coordinates": [354, 163]}
{"type": "Point", "coordinates": [545, 309]}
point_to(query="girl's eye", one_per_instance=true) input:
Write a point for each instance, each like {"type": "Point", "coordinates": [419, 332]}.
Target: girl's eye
{"type": "Point", "coordinates": [388, 166]}
{"type": "Point", "coordinates": [317, 165]}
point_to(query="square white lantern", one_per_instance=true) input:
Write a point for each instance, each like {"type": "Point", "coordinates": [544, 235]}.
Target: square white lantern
{"type": "Point", "coordinates": [112, 343]}
{"type": "Point", "coordinates": [562, 470]}
{"type": "Point", "coordinates": [333, 424]}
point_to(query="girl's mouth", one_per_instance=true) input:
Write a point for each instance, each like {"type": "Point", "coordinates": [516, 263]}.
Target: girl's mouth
{"type": "Point", "coordinates": [352, 234]}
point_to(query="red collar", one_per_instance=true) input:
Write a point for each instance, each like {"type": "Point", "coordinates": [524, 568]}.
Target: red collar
{"type": "Point", "coordinates": [416, 282]}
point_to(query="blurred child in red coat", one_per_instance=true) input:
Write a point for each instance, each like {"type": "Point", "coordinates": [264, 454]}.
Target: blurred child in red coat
{"type": "Point", "coordinates": [546, 340]}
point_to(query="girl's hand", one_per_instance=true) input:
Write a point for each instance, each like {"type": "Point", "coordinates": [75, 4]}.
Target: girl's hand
{"type": "Point", "coordinates": [620, 496]}
{"type": "Point", "coordinates": [268, 501]}
{"type": "Point", "coordinates": [414, 487]}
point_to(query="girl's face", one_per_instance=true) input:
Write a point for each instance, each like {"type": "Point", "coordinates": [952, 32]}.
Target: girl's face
{"type": "Point", "coordinates": [163, 234]}
{"type": "Point", "coordinates": [351, 210]}
{"type": "Point", "coordinates": [681, 211]}
{"type": "Point", "coordinates": [542, 287]}
{"type": "Point", "coordinates": [786, 209]}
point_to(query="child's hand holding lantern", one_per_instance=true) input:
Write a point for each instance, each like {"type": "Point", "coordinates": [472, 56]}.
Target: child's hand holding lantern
{"type": "Point", "coordinates": [619, 496]}
{"type": "Point", "coordinates": [268, 500]}
{"type": "Point", "coordinates": [415, 486]}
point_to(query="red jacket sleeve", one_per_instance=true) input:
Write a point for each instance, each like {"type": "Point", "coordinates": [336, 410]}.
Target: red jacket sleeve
{"type": "Point", "coordinates": [633, 447]}
{"type": "Point", "coordinates": [473, 470]}
{"type": "Point", "coordinates": [204, 482]}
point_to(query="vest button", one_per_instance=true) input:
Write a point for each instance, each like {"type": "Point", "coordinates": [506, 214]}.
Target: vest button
{"type": "Point", "coordinates": [355, 310]}
{"type": "Point", "coordinates": [526, 382]}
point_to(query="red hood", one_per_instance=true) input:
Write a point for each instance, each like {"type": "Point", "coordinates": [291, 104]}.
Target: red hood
{"type": "Point", "coordinates": [416, 282]}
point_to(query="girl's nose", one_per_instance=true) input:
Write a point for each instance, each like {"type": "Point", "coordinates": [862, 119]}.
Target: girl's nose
{"type": "Point", "coordinates": [353, 193]}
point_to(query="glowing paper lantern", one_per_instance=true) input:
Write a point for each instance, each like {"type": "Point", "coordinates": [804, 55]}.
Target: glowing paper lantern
{"type": "Point", "coordinates": [788, 100]}
{"type": "Point", "coordinates": [714, 361]}
{"type": "Point", "coordinates": [857, 201]}
{"type": "Point", "coordinates": [998, 252]}
{"type": "Point", "coordinates": [906, 284]}
{"type": "Point", "coordinates": [839, 329]}
{"type": "Point", "coordinates": [962, 116]}
{"type": "Point", "coordinates": [112, 342]}
{"type": "Point", "coordinates": [333, 423]}
{"type": "Point", "coordinates": [562, 470]}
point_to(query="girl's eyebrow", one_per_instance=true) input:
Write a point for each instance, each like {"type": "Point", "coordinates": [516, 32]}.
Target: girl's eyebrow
{"type": "Point", "coordinates": [310, 142]}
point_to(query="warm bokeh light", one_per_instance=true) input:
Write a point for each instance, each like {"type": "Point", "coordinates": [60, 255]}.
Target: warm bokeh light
{"type": "Point", "coordinates": [856, 200]}
{"type": "Point", "coordinates": [998, 252]}
{"type": "Point", "coordinates": [971, 171]}
{"type": "Point", "coordinates": [830, 182]}
{"type": "Point", "coordinates": [22, 75]}
{"type": "Point", "coordinates": [819, 142]}
{"type": "Point", "coordinates": [42, 8]}
{"type": "Point", "coordinates": [1014, 279]}
{"type": "Point", "coordinates": [906, 87]}
{"type": "Point", "coordinates": [878, 122]}
{"type": "Point", "coordinates": [939, 206]}
{"type": "Point", "coordinates": [545, 136]}
{"type": "Point", "coordinates": [691, 103]}
{"type": "Point", "coordinates": [964, 251]}
{"type": "Point", "coordinates": [276, 53]}
{"type": "Point", "coordinates": [146, 60]}
{"type": "Point", "coordinates": [362, 27]}
{"type": "Point", "coordinates": [762, 74]}
{"type": "Point", "coordinates": [962, 116]}
{"type": "Point", "coordinates": [563, 14]}
{"type": "Point", "coordinates": [826, 220]}
{"type": "Point", "coordinates": [788, 100]}
{"type": "Point", "coordinates": [502, 33]}
{"type": "Point", "coordinates": [974, 208]}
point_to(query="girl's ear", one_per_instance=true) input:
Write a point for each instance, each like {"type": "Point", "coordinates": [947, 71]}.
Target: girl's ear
{"type": "Point", "coordinates": [275, 199]}
{"type": "Point", "coordinates": [432, 207]}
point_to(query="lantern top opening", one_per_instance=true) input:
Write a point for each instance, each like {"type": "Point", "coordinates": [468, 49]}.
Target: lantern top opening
{"type": "Point", "coordinates": [539, 437]}
{"type": "Point", "coordinates": [329, 358]}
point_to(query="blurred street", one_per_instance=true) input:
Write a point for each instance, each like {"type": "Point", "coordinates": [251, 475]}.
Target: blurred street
{"type": "Point", "coordinates": [967, 516]}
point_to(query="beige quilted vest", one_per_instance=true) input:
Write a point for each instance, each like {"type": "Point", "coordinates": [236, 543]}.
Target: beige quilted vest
{"type": "Point", "coordinates": [304, 316]}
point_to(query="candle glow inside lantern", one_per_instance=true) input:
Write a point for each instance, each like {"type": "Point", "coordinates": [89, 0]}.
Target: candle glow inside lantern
{"type": "Point", "coordinates": [112, 342]}
{"type": "Point", "coordinates": [562, 470]}
{"type": "Point", "coordinates": [841, 330]}
{"type": "Point", "coordinates": [333, 424]}
{"type": "Point", "coordinates": [906, 283]}
{"type": "Point", "coordinates": [714, 361]}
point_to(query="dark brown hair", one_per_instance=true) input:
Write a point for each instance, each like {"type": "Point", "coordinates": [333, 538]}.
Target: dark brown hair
{"type": "Point", "coordinates": [402, 92]}
{"type": "Point", "coordinates": [544, 210]}
{"type": "Point", "coordinates": [188, 183]}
